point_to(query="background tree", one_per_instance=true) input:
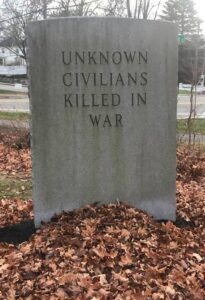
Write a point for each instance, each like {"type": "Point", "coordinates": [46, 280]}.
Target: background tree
{"type": "Point", "coordinates": [16, 14]}
{"type": "Point", "coordinates": [138, 9]}
{"type": "Point", "coordinates": [67, 8]}
{"type": "Point", "coordinates": [184, 14]}
{"type": "Point", "coordinates": [143, 9]}
{"type": "Point", "coordinates": [191, 52]}
{"type": "Point", "coordinates": [115, 8]}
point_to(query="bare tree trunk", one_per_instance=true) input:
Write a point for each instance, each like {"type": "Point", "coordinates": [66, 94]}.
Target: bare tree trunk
{"type": "Point", "coordinates": [135, 11]}
{"type": "Point", "coordinates": [189, 120]}
{"type": "Point", "coordinates": [129, 14]}
{"type": "Point", "coordinates": [196, 82]}
{"type": "Point", "coordinates": [146, 9]}
{"type": "Point", "coordinates": [140, 8]}
{"type": "Point", "coordinates": [45, 9]}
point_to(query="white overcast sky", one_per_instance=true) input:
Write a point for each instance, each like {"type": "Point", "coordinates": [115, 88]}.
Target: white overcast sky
{"type": "Point", "coordinates": [200, 6]}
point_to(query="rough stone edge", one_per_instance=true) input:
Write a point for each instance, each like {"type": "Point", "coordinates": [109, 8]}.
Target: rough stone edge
{"type": "Point", "coordinates": [101, 18]}
{"type": "Point", "coordinates": [158, 209]}
{"type": "Point", "coordinates": [31, 110]}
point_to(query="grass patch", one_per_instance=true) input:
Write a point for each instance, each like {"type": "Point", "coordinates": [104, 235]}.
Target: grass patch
{"type": "Point", "coordinates": [198, 126]}
{"type": "Point", "coordinates": [14, 116]}
{"type": "Point", "coordinates": [2, 92]}
{"type": "Point", "coordinates": [11, 188]}
{"type": "Point", "coordinates": [184, 92]}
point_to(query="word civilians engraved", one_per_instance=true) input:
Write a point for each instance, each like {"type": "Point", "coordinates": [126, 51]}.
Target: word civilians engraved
{"type": "Point", "coordinates": [136, 80]}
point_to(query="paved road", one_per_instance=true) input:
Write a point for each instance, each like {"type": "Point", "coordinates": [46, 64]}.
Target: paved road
{"type": "Point", "coordinates": [183, 106]}
{"type": "Point", "coordinates": [12, 103]}
{"type": "Point", "coordinates": [20, 102]}
{"type": "Point", "coordinates": [13, 88]}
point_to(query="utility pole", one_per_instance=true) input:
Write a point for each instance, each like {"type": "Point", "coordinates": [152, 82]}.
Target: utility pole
{"type": "Point", "coordinates": [45, 9]}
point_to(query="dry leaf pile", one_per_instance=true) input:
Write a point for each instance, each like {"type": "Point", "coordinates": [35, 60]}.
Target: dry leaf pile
{"type": "Point", "coordinates": [191, 185]}
{"type": "Point", "coordinates": [14, 211]}
{"type": "Point", "coordinates": [15, 162]}
{"type": "Point", "coordinates": [115, 251]}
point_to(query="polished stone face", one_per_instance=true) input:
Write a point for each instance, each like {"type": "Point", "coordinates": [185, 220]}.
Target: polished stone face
{"type": "Point", "coordinates": [103, 114]}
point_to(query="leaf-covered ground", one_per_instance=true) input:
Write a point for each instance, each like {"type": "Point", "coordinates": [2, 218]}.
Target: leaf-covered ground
{"type": "Point", "coordinates": [108, 252]}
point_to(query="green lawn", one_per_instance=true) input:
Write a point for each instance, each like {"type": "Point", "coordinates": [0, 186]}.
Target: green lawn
{"type": "Point", "coordinates": [14, 116]}
{"type": "Point", "coordinates": [198, 126]}
{"type": "Point", "coordinates": [14, 187]}
{"type": "Point", "coordinates": [9, 92]}
{"type": "Point", "coordinates": [183, 92]}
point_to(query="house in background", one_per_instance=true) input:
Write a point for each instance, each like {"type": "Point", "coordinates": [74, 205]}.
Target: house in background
{"type": "Point", "coordinates": [11, 62]}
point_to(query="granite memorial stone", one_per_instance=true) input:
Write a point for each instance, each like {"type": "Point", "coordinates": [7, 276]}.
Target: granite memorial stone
{"type": "Point", "coordinates": [103, 101]}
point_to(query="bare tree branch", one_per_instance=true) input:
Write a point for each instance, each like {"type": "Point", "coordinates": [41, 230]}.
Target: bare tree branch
{"type": "Point", "coordinates": [157, 9]}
